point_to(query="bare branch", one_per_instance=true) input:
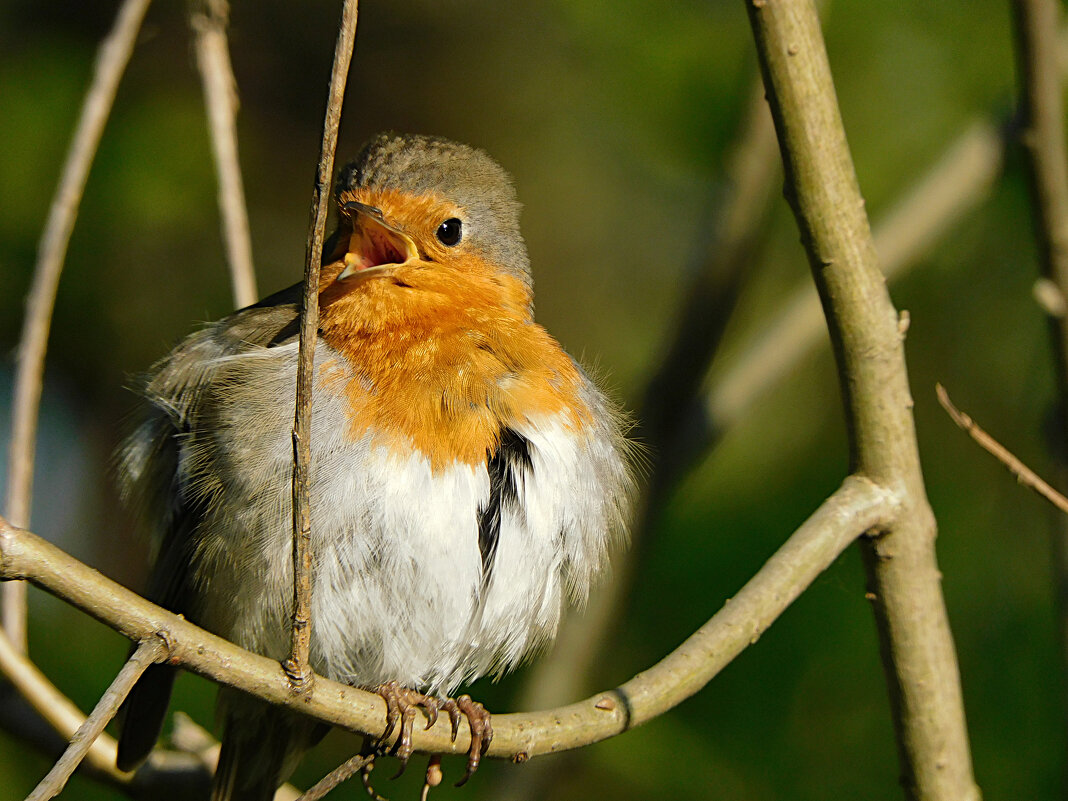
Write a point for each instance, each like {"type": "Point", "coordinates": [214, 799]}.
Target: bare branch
{"type": "Point", "coordinates": [342, 773]}
{"type": "Point", "coordinates": [209, 23]}
{"type": "Point", "coordinates": [54, 707]}
{"type": "Point", "coordinates": [297, 665]}
{"type": "Point", "coordinates": [903, 579]}
{"type": "Point", "coordinates": [1024, 474]}
{"type": "Point", "coordinates": [111, 61]}
{"type": "Point", "coordinates": [857, 507]}
{"type": "Point", "coordinates": [956, 184]}
{"type": "Point", "coordinates": [150, 651]}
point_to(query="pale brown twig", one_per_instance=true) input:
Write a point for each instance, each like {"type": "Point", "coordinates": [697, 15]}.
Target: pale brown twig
{"type": "Point", "coordinates": [858, 506]}
{"type": "Point", "coordinates": [209, 22]}
{"type": "Point", "coordinates": [148, 652]}
{"type": "Point", "coordinates": [54, 707]}
{"type": "Point", "coordinates": [297, 664]}
{"type": "Point", "coordinates": [111, 60]}
{"type": "Point", "coordinates": [904, 582]}
{"type": "Point", "coordinates": [342, 773]}
{"type": "Point", "coordinates": [1024, 474]}
{"type": "Point", "coordinates": [955, 184]}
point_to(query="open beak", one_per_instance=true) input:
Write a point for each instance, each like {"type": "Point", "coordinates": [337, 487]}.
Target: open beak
{"type": "Point", "coordinates": [374, 245]}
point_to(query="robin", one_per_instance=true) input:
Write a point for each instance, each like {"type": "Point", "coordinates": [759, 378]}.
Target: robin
{"type": "Point", "coordinates": [467, 477]}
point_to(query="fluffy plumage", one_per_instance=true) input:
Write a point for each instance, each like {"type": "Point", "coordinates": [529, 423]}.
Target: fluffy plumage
{"type": "Point", "coordinates": [467, 477]}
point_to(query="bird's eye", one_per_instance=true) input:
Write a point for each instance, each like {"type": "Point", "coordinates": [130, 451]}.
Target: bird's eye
{"type": "Point", "coordinates": [450, 231]}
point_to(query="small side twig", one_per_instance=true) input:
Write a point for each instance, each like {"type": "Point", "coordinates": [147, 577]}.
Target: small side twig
{"type": "Point", "coordinates": [296, 666]}
{"type": "Point", "coordinates": [54, 707]}
{"type": "Point", "coordinates": [111, 61]}
{"type": "Point", "coordinates": [1024, 474]}
{"type": "Point", "coordinates": [342, 773]}
{"type": "Point", "coordinates": [148, 652]}
{"type": "Point", "coordinates": [209, 21]}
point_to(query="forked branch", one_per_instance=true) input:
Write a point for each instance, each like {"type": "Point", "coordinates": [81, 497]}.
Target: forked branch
{"type": "Point", "coordinates": [903, 580]}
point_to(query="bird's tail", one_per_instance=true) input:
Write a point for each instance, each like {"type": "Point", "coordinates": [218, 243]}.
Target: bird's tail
{"type": "Point", "coordinates": [261, 747]}
{"type": "Point", "coordinates": [144, 710]}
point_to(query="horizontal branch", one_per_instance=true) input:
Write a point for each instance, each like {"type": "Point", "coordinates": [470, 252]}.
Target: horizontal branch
{"type": "Point", "coordinates": [857, 507]}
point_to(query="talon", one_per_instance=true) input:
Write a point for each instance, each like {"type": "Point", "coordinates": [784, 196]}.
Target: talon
{"type": "Point", "coordinates": [454, 716]}
{"type": "Point", "coordinates": [431, 706]}
{"type": "Point", "coordinates": [478, 721]}
{"type": "Point", "coordinates": [403, 749]}
{"type": "Point", "coordinates": [401, 703]}
{"type": "Point", "coordinates": [390, 693]}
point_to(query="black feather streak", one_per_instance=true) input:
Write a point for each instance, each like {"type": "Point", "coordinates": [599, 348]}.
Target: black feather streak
{"type": "Point", "coordinates": [506, 467]}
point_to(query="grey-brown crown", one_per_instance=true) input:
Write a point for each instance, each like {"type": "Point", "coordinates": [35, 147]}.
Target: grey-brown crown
{"type": "Point", "coordinates": [465, 175]}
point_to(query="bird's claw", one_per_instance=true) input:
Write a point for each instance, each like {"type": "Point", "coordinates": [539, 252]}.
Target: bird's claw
{"type": "Point", "coordinates": [479, 722]}
{"type": "Point", "coordinates": [401, 704]}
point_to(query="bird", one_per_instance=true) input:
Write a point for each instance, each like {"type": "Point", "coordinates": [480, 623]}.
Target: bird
{"type": "Point", "coordinates": [468, 479]}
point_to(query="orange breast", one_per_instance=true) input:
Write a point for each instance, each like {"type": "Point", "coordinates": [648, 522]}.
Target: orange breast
{"type": "Point", "coordinates": [445, 380]}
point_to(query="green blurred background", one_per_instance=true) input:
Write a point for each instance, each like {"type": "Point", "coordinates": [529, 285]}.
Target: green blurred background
{"type": "Point", "coordinates": [614, 118]}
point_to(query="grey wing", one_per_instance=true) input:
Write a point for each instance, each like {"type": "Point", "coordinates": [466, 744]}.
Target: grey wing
{"type": "Point", "coordinates": [151, 481]}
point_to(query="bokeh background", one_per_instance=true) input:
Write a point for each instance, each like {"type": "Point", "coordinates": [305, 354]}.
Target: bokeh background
{"type": "Point", "coordinates": [614, 118]}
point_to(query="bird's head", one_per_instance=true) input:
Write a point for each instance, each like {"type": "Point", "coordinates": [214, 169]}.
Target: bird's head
{"type": "Point", "coordinates": [427, 222]}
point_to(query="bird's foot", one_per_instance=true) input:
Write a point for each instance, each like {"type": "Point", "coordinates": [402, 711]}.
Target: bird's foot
{"type": "Point", "coordinates": [401, 704]}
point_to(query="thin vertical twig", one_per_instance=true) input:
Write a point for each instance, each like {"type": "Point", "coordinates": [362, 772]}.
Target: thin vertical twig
{"type": "Point", "coordinates": [148, 652]}
{"type": "Point", "coordinates": [209, 20]}
{"type": "Point", "coordinates": [296, 666]}
{"type": "Point", "coordinates": [112, 58]}
{"type": "Point", "coordinates": [1037, 23]}
{"type": "Point", "coordinates": [904, 583]}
